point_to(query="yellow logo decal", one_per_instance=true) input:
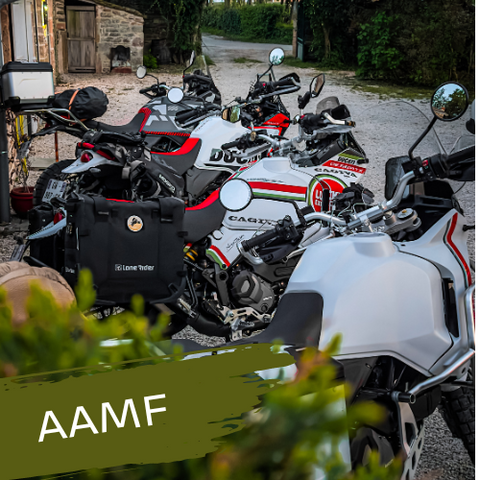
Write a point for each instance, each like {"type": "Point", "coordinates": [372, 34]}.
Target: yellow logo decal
{"type": "Point", "coordinates": [134, 223]}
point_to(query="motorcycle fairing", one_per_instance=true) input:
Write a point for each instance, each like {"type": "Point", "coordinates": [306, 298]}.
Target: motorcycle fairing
{"type": "Point", "coordinates": [202, 219]}
{"type": "Point", "coordinates": [382, 300]}
{"type": "Point", "coordinates": [182, 159]}
{"type": "Point", "coordinates": [444, 245]}
{"type": "Point", "coordinates": [278, 122]}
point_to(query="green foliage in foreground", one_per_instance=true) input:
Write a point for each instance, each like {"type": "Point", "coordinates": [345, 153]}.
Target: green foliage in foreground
{"type": "Point", "coordinates": [297, 428]}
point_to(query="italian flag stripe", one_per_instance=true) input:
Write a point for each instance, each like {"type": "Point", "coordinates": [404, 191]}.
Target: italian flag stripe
{"type": "Point", "coordinates": [277, 187]}
{"type": "Point", "coordinates": [218, 256]}
{"type": "Point", "coordinates": [264, 193]}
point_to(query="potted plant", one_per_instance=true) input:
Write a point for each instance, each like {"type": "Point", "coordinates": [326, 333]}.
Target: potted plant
{"type": "Point", "coordinates": [21, 197]}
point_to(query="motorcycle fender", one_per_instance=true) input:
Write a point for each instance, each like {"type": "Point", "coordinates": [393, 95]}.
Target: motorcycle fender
{"type": "Point", "coordinates": [79, 167]}
{"type": "Point", "coordinates": [48, 230]}
{"type": "Point", "coordinates": [382, 301]}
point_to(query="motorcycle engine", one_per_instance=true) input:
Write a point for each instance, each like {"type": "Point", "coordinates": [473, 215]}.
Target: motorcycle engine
{"type": "Point", "coordinates": [249, 290]}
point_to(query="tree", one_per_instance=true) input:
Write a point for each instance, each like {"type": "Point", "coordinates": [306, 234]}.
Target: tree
{"type": "Point", "coordinates": [326, 16]}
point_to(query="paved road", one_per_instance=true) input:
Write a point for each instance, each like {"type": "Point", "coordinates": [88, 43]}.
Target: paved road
{"type": "Point", "coordinates": [220, 49]}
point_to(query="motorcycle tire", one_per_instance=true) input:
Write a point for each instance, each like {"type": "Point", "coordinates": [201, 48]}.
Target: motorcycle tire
{"type": "Point", "coordinates": [458, 411]}
{"type": "Point", "coordinates": [54, 171]}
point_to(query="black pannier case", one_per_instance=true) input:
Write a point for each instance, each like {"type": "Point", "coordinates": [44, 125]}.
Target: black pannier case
{"type": "Point", "coordinates": [130, 247]}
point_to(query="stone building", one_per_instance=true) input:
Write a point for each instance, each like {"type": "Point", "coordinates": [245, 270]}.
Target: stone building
{"type": "Point", "coordinates": [87, 33]}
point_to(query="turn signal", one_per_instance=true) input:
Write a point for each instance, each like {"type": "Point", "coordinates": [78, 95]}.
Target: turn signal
{"type": "Point", "coordinates": [85, 158]}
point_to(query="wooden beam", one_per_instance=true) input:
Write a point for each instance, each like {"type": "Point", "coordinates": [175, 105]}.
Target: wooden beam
{"type": "Point", "coordinates": [6, 36]}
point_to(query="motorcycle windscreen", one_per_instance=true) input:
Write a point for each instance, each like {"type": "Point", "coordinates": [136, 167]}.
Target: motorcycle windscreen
{"type": "Point", "coordinates": [386, 131]}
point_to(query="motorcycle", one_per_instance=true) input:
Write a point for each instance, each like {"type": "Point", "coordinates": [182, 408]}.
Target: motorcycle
{"type": "Point", "coordinates": [198, 159]}
{"type": "Point", "coordinates": [234, 299]}
{"type": "Point", "coordinates": [404, 304]}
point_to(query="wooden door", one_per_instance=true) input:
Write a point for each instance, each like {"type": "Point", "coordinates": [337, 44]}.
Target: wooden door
{"type": "Point", "coordinates": [81, 39]}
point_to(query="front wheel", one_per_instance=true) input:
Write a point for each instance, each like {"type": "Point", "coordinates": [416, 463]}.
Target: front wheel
{"type": "Point", "coordinates": [53, 172]}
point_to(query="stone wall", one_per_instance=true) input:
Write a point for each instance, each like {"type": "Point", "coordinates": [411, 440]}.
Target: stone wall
{"type": "Point", "coordinates": [155, 28]}
{"type": "Point", "coordinates": [114, 28]}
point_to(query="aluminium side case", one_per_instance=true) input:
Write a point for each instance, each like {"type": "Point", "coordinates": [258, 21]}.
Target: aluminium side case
{"type": "Point", "coordinates": [382, 301]}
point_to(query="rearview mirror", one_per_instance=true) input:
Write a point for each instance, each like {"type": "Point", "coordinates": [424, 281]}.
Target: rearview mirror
{"type": "Point", "coordinates": [175, 95]}
{"type": "Point", "coordinates": [192, 59]}
{"type": "Point", "coordinates": [276, 56]}
{"type": "Point", "coordinates": [141, 72]}
{"type": "Point", "coordinates": [316, 86]}
{"type": "Point", "coordinates": [235, 195]}
{"type": "Point", "coordinates": [232, 114]}
{"type": "Point", "coordinates": [449, 102]}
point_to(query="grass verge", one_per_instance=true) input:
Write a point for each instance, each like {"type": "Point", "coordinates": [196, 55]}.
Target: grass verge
{"type": "Point", "coordinates": [246, 60]}
{"type": "Point", "coordinates": [209, 61]}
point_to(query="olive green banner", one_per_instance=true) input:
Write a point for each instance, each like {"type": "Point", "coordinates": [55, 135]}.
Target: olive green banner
{"type": "Point", "coordinates": [150, 411]}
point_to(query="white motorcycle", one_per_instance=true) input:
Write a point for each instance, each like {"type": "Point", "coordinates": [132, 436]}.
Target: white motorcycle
{"type": "Point", "coordinates": [404, 308]}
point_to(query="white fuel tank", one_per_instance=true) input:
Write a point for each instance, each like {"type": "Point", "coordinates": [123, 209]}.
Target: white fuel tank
{"type": "Point", "coordinates": [382, 301]}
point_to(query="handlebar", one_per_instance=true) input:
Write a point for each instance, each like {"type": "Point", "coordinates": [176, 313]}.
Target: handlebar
{"type": "Point", "coordinates": [194, 76]}
{"type": "Point", "coordinates": [260, 239]}
{"type": "Point", "coordinates": [233, 144]}
{"type": "Point", "coordinates": [443, 166]}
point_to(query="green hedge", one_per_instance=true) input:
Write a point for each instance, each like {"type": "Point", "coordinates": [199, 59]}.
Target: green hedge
{"type": "Point", "coordinates": [251, 22]}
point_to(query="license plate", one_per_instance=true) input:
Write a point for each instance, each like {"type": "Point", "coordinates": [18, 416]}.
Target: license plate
{"type": "Point", "coordinates": [55, 188]}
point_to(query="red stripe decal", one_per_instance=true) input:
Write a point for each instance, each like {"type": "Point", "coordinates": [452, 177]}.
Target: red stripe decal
{"type": "Point", "coordinates": [453, 224]}
{"type": "Point", "coordinates": [187, 147]}
{"type": "Point", "coordinates": [146, 111]}
{"type": "Point", "coordinates": [116, 200]}
{"type": "Point", "coordinates": [168, 134]}
{"type": "Point", "coordinates": [213, 197]}
{"type": "Point", "coordinates": [278, 187]}
{"type": "Point", "coordinates": [221, 255]}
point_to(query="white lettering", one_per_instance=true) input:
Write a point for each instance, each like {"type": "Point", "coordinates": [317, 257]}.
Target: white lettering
{"type": "Point", "coordinates": [89, 424]}
{"type": "Point", "coordinates": [107, 408]}
{"type": "Point", "coordinates": [154, 410]}
{"type": "Point", "coordinates": [44, 430]}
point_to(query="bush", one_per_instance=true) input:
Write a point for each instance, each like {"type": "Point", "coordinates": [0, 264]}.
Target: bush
{"type": "Point", "coordinates": [377, 57]}
{"type": "Point", "coordinates": [285, 442]}
{"type": "Point", "coordinates": [231, 21]}
{"type": "Point", "coordinates": [150, 61]}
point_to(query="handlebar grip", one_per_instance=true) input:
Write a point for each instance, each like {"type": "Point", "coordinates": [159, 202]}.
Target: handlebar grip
{"type": "Point", "coordinates": [451, 166]}
{"type": "Point", "coordinates": [145, 90]}
{"type": "Point", "coordinates": [183, 116]}
{"type": "Point", "coordinates": [259, 239]}
{"type": "Point", "coordinates": [226, 146]}
{"type": "Point", "coordinates": [464, 154]}
{"type": "Point", "coordinates": [311, 120]}
{"type": "Point", "coordinates": [282, 82]}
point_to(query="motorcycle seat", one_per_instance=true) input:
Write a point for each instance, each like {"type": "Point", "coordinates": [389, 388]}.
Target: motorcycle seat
{"type": "Point", "coordinates": [132, 127]}
{"type": "Point", "coordinates": [203, 219]}
{"type": "Point", "coordinates": [181, 160]}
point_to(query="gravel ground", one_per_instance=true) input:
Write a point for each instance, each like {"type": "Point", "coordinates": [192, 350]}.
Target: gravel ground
{"type": "Point", "coordinates": [444, 457]}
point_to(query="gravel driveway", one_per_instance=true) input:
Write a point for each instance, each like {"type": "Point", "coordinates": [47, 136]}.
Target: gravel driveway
{"type": "Point", "coordinates": [444, 457]}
